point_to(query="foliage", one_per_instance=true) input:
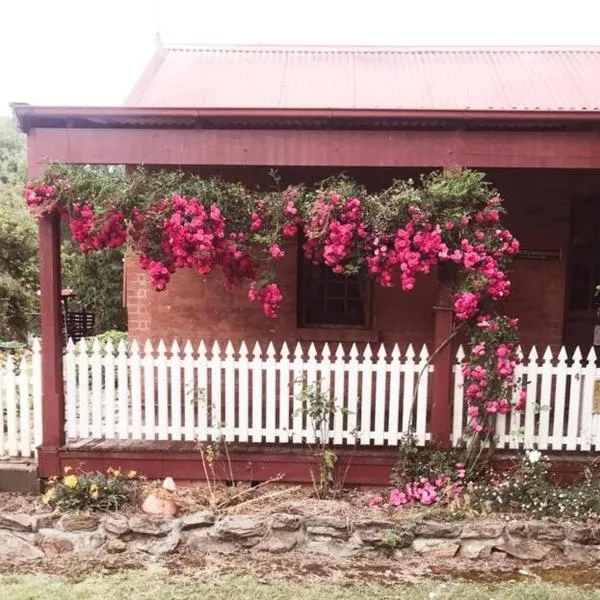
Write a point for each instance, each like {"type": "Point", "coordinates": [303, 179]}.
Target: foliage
{"type": "Point", "coordinates": [448, 220]}
{"type": "Point", "coordinates": [97, 279]}
{"type": "Point", "coordinates": [527, 489]}
{"type": "Point", "coordinates": [91, 491]}
{"type": "Point", "coordinates": [424, 476]}
{"type": "Point", "coordinates": [115, 336]}
{"type": "Point", "coordinates": [18, 241]}
{"type": "Point", "coordinates": [319, 408]}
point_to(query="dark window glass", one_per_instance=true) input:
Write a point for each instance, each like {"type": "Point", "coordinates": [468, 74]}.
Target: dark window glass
{"type": "Point", "coordinates": [326, 298]}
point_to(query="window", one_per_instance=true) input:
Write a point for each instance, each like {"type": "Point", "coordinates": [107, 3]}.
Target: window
{"type": "Point", "coordinates": [584, 272]}
{"type": "Point", "coordinates": [329, 299]}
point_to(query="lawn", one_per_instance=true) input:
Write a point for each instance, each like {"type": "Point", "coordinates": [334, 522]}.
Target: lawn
{"type": "Point", "coordinates": [143, 586]}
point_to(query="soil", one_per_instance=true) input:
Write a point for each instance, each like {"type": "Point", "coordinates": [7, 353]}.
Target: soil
{"type": "Point", "coordinates": [300, 568]}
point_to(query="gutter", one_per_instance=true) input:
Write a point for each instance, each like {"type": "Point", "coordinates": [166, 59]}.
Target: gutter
{"type": "Point", "coordinates": [47, 116]}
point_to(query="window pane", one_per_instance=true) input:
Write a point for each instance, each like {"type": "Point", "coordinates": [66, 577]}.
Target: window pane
{"type": "Point", "coordinates": [327, 298]}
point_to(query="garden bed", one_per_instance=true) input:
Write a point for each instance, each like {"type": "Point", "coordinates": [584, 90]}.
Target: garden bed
{"type": "Point", "coordinates": [279, 520]}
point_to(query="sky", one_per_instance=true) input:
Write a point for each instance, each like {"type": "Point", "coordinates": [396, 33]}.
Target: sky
{"type": "Point", "coordinates": [90, 52]}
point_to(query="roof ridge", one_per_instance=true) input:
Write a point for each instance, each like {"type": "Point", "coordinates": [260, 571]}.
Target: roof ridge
{"type": "Point", "coordinates": [369, 49]}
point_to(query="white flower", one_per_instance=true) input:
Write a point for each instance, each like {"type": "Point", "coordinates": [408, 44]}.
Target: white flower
{"type": "Point", "coordinates": [534, 456]}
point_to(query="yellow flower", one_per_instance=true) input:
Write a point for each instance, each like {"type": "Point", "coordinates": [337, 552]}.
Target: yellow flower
{"type": "Point", "coordinates": [94, 491]}
{"type": "Point", "coordinates": [71, 481]}
{"type": "Point", "coordinates": [68, 469]}
{"type": "Point", "coordinates": [48, 496]}
{"type": "Point", "coordinates": [132, 475]}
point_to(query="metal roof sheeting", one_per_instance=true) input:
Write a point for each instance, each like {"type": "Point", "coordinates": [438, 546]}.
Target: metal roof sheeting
{"type": "Point", "coordinates": [372, 78]}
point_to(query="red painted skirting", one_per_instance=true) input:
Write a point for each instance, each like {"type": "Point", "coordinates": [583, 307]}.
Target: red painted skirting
{"type": "Point", "coordinates": [182, 461]}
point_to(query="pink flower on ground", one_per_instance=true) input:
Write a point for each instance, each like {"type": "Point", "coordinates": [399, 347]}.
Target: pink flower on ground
{"type": "Point", "coordinates": [376, 501]}
{"type": "Point", "coordinates": [397, 498]}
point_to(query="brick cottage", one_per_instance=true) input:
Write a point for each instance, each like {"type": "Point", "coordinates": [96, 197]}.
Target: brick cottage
{"type": "Point", "coordinates": [528, 118]}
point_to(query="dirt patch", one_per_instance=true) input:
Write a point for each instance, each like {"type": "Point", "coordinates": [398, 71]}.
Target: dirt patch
{"type": "Point", "coordinates": [300, 568]}
{"type": "Point", "coordinates": [24, 503]}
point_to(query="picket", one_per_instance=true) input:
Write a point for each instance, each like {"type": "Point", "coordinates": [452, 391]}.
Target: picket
{"type": "Point", "coordinates": [188, 388]}
{"type": "Point", "coordinates": [558, 406]}
{"type": "Point", "coordinates": [123, 390]}
{"type": "Point", "coordinates": [243, 406]}
{"type": "Point", "coordinates": [175, 399]}
{"type": "Point", "coordinates": [229, 421]}
{"type": "Point", "coordinates": [71, 390]}
{"type": "Point", "coordinates": [97, 403]}
{"type": "Point", "coordinates": [200, 396]}
{"type": "Point", "coordinates": [366, 369]}
{"type": "Point", "coordinates": [242, 398]}
{"type": "Point", "coordinates": [339, 395]}
{"type": "Point", "coordinates": [458, 424]}
{"type": "Point", "coordinates": [109, 389]}
{"type": "Point", "coordinates": [284, 394]}
{"type": "Point", "coordinates": [24, 409]}
{"type": "Point", "coordinates": [149, 399]}
{"type": "Point", "coordinates": [544, 405]}
{"type": "Point", "coordinates": [11, 408]}
{"type": "Point", "coordinates": [36, 362]}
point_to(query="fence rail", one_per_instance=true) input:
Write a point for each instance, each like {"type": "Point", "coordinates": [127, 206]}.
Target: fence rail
{"type": "Point", "coordinates": [243, 395]}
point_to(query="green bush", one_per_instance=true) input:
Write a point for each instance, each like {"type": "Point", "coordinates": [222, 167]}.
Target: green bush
{"type": "Point", "coordinates": [527, 489]}
{"type": "Point", "coordinates": [416, 462]}
{"type": "Point", "coordinates": [91, 491]}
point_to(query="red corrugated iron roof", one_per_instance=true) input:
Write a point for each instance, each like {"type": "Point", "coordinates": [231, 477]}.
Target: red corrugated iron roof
{"type": "Point", "coordinates": [372, 78]}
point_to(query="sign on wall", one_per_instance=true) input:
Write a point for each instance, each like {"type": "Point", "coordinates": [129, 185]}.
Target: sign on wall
{"type": "Point", "coordinates": [553, 254]}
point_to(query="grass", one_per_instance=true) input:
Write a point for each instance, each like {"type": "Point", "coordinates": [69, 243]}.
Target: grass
{"type": "Point", "coordinates": [144, 586]}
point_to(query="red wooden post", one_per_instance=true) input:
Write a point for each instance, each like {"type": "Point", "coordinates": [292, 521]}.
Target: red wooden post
{"type": "Point", "coordinates": [53, 397]}
{"type": "Point", "coordinates": [441, 396]}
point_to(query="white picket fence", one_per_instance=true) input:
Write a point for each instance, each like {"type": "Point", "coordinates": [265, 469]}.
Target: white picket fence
{"type": "Point", "coordinates": [21, 405]}
{"type": "Point", "coordinates": [239, 395]}
{"type": "Point", "coordinates": [559, 413]}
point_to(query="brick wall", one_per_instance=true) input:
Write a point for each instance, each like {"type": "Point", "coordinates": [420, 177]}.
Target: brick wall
{"type": "Point", "coordinates": [539, 212]}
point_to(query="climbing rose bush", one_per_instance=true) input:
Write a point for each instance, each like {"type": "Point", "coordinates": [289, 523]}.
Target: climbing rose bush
{"type": "Point", "coordinates": [450, 221]}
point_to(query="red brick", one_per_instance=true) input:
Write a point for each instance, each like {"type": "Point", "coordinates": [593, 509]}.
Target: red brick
{"type": "Point", "coordinates": [538, 203]}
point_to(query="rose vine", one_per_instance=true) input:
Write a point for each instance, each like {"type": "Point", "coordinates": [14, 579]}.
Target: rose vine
{"type": "Point", "coordinates": [449, 220]}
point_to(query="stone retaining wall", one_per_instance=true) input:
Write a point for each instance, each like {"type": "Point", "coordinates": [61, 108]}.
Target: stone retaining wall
{"type": "Point", "coordinates": [24, 537]}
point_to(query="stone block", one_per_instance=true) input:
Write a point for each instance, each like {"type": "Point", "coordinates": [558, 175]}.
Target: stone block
{"type": "Point", "coordinates": [438, 529]}
{"type": "Point", "coordinates": [438, 548]}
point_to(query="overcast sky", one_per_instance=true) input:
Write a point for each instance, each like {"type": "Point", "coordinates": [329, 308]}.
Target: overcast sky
{"type": "Point", "coordinates": [86, 52]}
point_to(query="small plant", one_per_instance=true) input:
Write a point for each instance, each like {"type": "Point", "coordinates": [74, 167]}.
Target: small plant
{"type": "Point", "coordinates": [320, 407]}
{"type": "Point", "coordinates": [398, 537]}
{"type": "Point", "coordinates": [527, 489]}
{"type": "Point", "coordinates": [423, 476]}
{"type": "Point", "coordinates": [91, 491]}
{"type": "Point", "coordinates": [415, 462]}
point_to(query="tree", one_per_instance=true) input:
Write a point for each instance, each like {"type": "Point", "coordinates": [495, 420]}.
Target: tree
{"type": "Point", "coordinates": [18, 241]}
{"type": "Point", "coordinates": [96, 278]}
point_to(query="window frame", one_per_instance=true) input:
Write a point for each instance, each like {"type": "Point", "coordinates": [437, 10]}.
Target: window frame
{"type": "Point", "coordinates": [302, 298]}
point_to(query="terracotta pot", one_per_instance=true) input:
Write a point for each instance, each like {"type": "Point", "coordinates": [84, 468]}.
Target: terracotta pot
{"type": "Point", "coordinates": [154, 505]}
